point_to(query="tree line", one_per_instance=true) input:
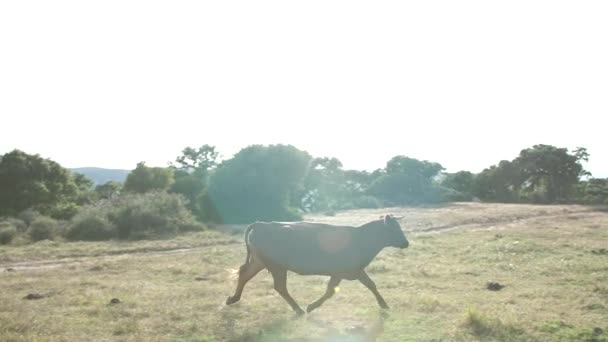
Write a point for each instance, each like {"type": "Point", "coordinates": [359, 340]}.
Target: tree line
{"type": "Point", "coordinates": [274, 182]}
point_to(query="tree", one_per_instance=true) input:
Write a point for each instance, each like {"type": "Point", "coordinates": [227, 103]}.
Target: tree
{"type": "Point", "coordinates": [461, 181]}
{"type": "Point", "coordinates": [29, 181]}
{"type": "Point", "coordinates": [500, 183]}
{"type": "Point", "coordinates": [407, 181]}
{"type": "Point", "coordinates": [202, 158]}
{"type": "Point", "coordinates": [551, 172]}
{"type": "Point", "coordinates": [323, 185]}
{"type": "Point", "coordinates": [192, 172]}
{"type": "Point", "coordinates": [256, 184]}
{"type": "Point", "coordinates": [594, 191]}
{"type": "Point", "coordinates": [144, 179]}
{"type": "Point", "coordinates": [108, 190]}
{"type": "Point", "coordinates": [418, 168]}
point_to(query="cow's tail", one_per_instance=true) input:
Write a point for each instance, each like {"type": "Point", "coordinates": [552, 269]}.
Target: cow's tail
{"type": "Point", "coordinates": [234, 272]}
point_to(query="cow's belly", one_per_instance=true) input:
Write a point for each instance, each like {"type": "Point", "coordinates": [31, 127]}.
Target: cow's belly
{"type": "Point", "coordinates": [305, 262]}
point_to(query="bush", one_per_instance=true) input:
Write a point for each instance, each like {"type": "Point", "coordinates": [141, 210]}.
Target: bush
{"type": "Point", "coordinates": [28, 216]}
{"type": "Point", "coordinates": [451, 195]}
{"type": "Point", "coordinates": [43, 228]}
{"type": "Point", "coordinates": [367, 202]}
{"type": "Point", "coordinates": [152, 215]}
{"type": "Point", "coordinates": [400, 189]}
{"type": "Point", "coordinates": [134, 216]}
{"type": "Point", "coordinates": [91, 227]}
{"type": "Point", "coordinates": [7, 233]}
{"type": "Point", "coordinates": [64, 211]}
{"type": "Point", "coordinates": [17, 223]}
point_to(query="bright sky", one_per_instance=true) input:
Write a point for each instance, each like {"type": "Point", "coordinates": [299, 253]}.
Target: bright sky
{"type": "Point", "coordinates": [463, 83]}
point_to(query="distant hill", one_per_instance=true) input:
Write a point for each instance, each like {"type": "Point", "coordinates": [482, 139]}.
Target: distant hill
{"type": "Point", "coordinates": [100, 175]}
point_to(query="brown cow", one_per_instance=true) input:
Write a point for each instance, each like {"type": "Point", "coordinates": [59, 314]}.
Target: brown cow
{"type": "Point", "coordinates": [340, 252]}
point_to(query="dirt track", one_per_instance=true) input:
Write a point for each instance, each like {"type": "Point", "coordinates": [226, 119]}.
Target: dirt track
{"type": "Point", "coordinates": [415, 221]}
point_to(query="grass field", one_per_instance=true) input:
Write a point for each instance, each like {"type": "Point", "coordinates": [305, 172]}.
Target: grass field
{"type": "Point", "coordinates": [552, 260]}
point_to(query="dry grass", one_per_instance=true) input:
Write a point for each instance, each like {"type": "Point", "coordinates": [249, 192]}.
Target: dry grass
{"type": "Point", "coordinates": [555, 286]}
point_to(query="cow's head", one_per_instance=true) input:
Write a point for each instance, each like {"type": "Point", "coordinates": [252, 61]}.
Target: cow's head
{"type": "Point", "coordinates": [395, 234]}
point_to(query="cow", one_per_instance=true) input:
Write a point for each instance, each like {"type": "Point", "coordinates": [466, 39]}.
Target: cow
{"type": "Point", "coordinates": [306, 248]}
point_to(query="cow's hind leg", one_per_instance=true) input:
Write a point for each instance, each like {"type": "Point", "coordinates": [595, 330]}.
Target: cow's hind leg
{"type": "Point", "coordinates": [331, 289]}
{"type": "Point", "coordinates": [280, 284]}
{"type": "Point", "coordinates": [369, 283]}
{"type": "Point", "coordinates": [246, 272]}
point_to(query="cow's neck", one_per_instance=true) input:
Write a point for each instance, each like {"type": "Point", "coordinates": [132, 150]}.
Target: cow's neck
{"type": "Point", "coordinates": [372, 242]}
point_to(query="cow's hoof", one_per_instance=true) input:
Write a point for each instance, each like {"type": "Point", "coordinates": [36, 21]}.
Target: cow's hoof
{"type": "Point", "coordinates": [310, 308]}
{"type": "Point", "coordinates": [300, 312]}
{"type": "Point", "coordinates": [384, 306]}
{"type": "Point", "coordinates": [231, 300]}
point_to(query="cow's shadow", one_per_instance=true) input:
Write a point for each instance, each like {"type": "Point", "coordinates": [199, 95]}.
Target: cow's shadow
{"type": "Point", "coordinates": [273, 331]}
{"type": "Point", "coordinates": [368, 331]}
{"type": "Point", "coordinates": [270, 331]}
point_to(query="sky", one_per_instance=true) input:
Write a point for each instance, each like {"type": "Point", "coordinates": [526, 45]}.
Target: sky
{"type": "Point", "coordinates": [462, 83]}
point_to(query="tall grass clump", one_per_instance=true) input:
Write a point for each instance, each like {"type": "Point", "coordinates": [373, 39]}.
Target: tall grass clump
{"type": "Point", "coordinates": [489, 328]}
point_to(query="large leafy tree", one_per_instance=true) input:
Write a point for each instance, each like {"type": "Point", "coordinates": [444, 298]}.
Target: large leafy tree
{"type": "Point", "coordinates": [461, 181]}
{"type": "Point", "coordinates": [324, 185]}
{"type": "Point", "coordinates": [256, 184]}
{"type": "Point", "coordinates": [551, 171]}
{"type": "Point", "coordinates": [407, 180]}
{"type": "Point", "coordinates": [144, 179]}
{"type": "Point", "coordinates": [499, 183]}
{"type": "Point", "coordinates": [31, 182]}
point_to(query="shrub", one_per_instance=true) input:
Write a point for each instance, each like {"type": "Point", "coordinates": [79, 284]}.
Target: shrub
{"type": "Point", "coordinates": [367, 202]}
{"type": "Point", "coordinates": [400, 189]}
{"type": "Point", "coordinates": [7, 233]}
{"type": "Point", "coordinates": [28, 216]}
{"type": "Point", "coordinates": [451, 195]}
{"type": "Point", "coordinates": [90, 226]}
{"type": "Point", "coordinates": [151, 215]}
{"type": "Point", "coordinates": [64, 211]}
{"type": "Point", "coordinates": [17, 223]}
{"type": "Point", "coordinates": [134, 216]}
{"type": "Point", "coordinates": [43, 228]}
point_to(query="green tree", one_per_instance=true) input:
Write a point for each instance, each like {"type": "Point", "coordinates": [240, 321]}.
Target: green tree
{"type": "Point", "coordinates": [407, 181]}
{"type": "Point", "coordinates": [594, 191]}
{"type": "Point", "coordinates": [108, 189]}
{"type": "Point", "coordinates": [256, 184]}
{"type": "Point", "coordinates": [323, 186]}
{"type": "Point", "coordinates": [461, 181]}
{"type": "Point", "coordinates": [417, 168]}
{"type": "Point", "coordinates": [144, 179]}
{"type": "Point", "coordinates": [29, 181]}
{"type": "Point", "coordinates": [549, 172]}
{"type": "Point", "coordinates": [199, 159]}
{"type": "Point", "coordinates": [192, 170]}
{"type": "Point", "coordinates": [499, 183]}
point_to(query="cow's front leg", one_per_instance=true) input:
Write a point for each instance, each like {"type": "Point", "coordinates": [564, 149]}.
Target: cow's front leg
{"type": "Point", "coordinates": [331, 289]}
{"type": "Point", "coordinates": [280, 284]}
{"type": "Point", "coordinates": [369, 283]}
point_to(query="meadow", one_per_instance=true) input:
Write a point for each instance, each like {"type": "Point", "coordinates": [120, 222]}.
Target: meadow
{"type": "Point", "coordinates": [552, 261]}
